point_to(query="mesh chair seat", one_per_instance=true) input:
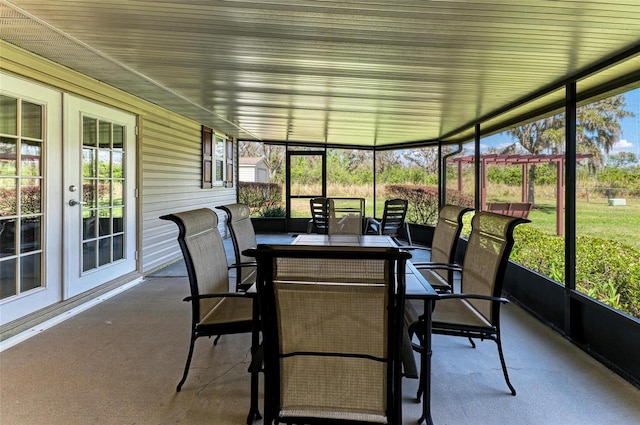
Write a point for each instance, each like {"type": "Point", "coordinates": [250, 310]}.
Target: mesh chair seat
{"type": "Point", "coordinates": [228, 311]}
{"type": "Point", "coordinates": [456, 313]}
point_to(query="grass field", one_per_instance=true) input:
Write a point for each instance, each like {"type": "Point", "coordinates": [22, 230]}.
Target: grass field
{"type": "Point", "coordinates": [594, 217]}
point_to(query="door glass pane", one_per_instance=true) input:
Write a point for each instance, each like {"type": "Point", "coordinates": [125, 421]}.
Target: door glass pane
{"type": "Point", "coordinates": [31, 120]}
{"type": "Point", "coordinates": [7, 238]}
{"type": "Point", "coordinates": [118, 213]}
{"type": "Point", "coordinates": [104, 251]}
{"type": "Point", "coordinates": [89, 163]}
{"type": "Point", "coordinates": [89, 228]}
{"type": "Point", "coordinates": [30, 231]}
{"type": "Point", "coordinates": [117, 164]}
{"type": "Point", "coordinates": [30, 272]}
{"type": "Point", "coordinates": [105, 222]}
{"type": "Point", "coordinates": [118, 137]}
{"type": "Point", "coordinates": [105, 135]}
{"type": "Point", "coordinates": [104, 163]}
{"type": "Point", "coordinates": [89, 193]}
{"type": "Point", "coordinates": [8, 197]}
{"type": "Point", "coordinates": [31, 159]}
{"type": "Point", "coordinates": [117, 192]}
{"type": "Point", "coordinates": [8, 157]}
{"type": "Point", "coordinates": [89, 132]}
{"type": "Point", "coordinates": [89, 250]}
{"type": "Point", "coordinates": [8, 278]}
{"type": "Point", "coordinates": [8, 115]}
{"type": "Point", "coordinates": [118, 247]}
{"type": "Point", "coordinates": [30, 196]}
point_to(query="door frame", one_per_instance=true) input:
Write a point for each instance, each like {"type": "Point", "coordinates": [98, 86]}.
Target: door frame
{"type": "Point", "coordinates": [291, 153]}
{"type": "Point", "coordinates": [75, 281]}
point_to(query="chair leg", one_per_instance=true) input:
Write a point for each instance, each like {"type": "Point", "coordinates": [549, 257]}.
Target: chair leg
{"type": "Point", "coordinates": [473, 344]}
{"type": "Point", "coordinates": [406, 226]}
{"type": "Point", "coordinates": [504, 365]}
{"type": "Point", "coordinates": [257, 359]}
{"type": "Point", "coordinates": [215, 341]}
{"type": "Point", "coordinates": [186, 367]}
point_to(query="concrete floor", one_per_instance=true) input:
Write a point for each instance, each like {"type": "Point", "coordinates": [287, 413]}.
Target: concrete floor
{"type": "Point", "coordinates": [119, 362]}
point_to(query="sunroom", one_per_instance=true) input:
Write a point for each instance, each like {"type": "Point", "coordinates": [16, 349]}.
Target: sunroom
{"type": "Point", "coordinates": [115, 113]}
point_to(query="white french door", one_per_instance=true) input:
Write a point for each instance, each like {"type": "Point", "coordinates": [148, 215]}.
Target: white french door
{"type": "Point", "coordinates": [99, 194]}
{"type": "Point", "coordinates": [30, 197]}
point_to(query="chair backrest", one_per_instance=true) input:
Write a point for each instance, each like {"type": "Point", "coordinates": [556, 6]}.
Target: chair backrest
{"type": "Point", "coordinates": [486, 259]}
{"type": "Point", "coordinates": [395, 211]}
{"type": "Point", "coordinates": [204, 256]}
{"type": "Point", "coordinates": [243, 236]}
{"type": "Point", "coordinates": [332, 322]}
{"type": "Point", "coordinates": [499, 207]}
{"type": "Point", "coordinates": [320, 210]}
{"type": "Point", "coordinates": [445, 238]}
{"type": "Point", "coordinates": [515, 209]}
{"type": "Point", "coordinates": [520, 209]}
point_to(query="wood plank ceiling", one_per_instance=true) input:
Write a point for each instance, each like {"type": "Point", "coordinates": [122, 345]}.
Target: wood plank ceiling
{"type": "Point", "coordinates": [368, 73]}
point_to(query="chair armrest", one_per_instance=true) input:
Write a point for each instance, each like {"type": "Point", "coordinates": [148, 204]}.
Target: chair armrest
{"type": "Point", "coordinates": [410, 247]}
{"type": "Point", "coordinates": [240, 265]}
{"type": "Point", "coordinates": [473, 296]}
{"type": "Point", "coordinates": [446, 266]}
{"type": "Point", "coordinates": [222, 295]}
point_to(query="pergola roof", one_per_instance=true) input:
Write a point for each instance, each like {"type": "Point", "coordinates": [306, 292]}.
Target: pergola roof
{"type": "Point", "coordinates": [362, 73]}
{"type": "Point", "coordinates": [512, 159]}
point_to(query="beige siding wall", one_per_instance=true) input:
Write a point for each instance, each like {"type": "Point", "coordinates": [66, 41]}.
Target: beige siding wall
{"type": "Point", "coordinates": [168, 154]}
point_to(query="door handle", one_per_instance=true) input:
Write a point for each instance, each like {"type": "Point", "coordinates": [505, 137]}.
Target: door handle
{"type": "Point", "coordinates": [73, 203]}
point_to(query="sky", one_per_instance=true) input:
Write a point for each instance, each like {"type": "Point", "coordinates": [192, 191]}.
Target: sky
{"type": "Point", "coordinates": [629, 139]}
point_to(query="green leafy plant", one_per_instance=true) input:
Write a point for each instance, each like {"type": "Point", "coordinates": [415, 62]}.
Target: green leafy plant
{"type": "Point", "coordinates": [606, 270]}
{"type": "Point", "coordinates": [423, 201]}
{"type": "Point", "coordinates": [260, 197]}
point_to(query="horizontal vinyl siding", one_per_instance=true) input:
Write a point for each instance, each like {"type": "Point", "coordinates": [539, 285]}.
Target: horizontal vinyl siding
{"type": "Point", "coordinates": [171, 166]}
{"type": "Point", "coordinates": [169, 152]}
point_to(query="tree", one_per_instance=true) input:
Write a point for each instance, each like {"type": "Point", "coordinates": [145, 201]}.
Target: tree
{"type": "Point", "coordinates": [597, 129]}
{"type": "Point", "coordinates": [623, 159]}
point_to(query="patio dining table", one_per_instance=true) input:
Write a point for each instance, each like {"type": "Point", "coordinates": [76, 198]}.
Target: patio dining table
{"type": "Point", "coordinates": [416, 287]}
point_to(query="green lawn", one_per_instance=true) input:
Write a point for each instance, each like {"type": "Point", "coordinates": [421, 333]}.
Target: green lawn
{"type": "Point", "coordinates": [596, 219]}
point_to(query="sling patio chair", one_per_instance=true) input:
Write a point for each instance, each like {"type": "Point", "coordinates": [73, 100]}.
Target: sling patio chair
{"type": "Point", "coordinates": [214, 310]}
{"type": "Point", "coordinates": [243, 237]}
{"type": "Point", "coordinates": [446, 234]}
{"type": "Point", "coordinates": [393, 219]}
{"type": "Point", "coordinates": [320, 210]}
{"type": "Point", "coordinates": [332, 325]}
{"type": "Point", "coordinates": [475, 311]}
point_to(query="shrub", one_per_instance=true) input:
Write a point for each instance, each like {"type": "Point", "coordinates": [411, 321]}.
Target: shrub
{"type": "Point", "coordinates": [31, 201]}
{"type": "Point", "coordinates": [423, 201]}
{"type": "Point", "coordinates": [260, 197]}
{"type": "Point", "coordinates": [605, 270]}
{"type": "Point", "coordinates": [274, 211]}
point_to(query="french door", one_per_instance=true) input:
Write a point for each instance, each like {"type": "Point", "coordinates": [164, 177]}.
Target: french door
{"type": "Point", "coordinates": [30, 197]}
{"type": "Point", "coordinates": [67, 196]}
{"type": "Point", "coordinates": [99, 194]}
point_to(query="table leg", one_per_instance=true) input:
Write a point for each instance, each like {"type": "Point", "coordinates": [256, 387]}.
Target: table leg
{"type": "Point", "coordinates": [256, 363]}
{"type": "Point", "coordinates": [425, 363]}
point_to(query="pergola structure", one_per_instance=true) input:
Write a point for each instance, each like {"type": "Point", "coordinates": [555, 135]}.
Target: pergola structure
{"type": "Point", "coordinates": [524, 160]}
